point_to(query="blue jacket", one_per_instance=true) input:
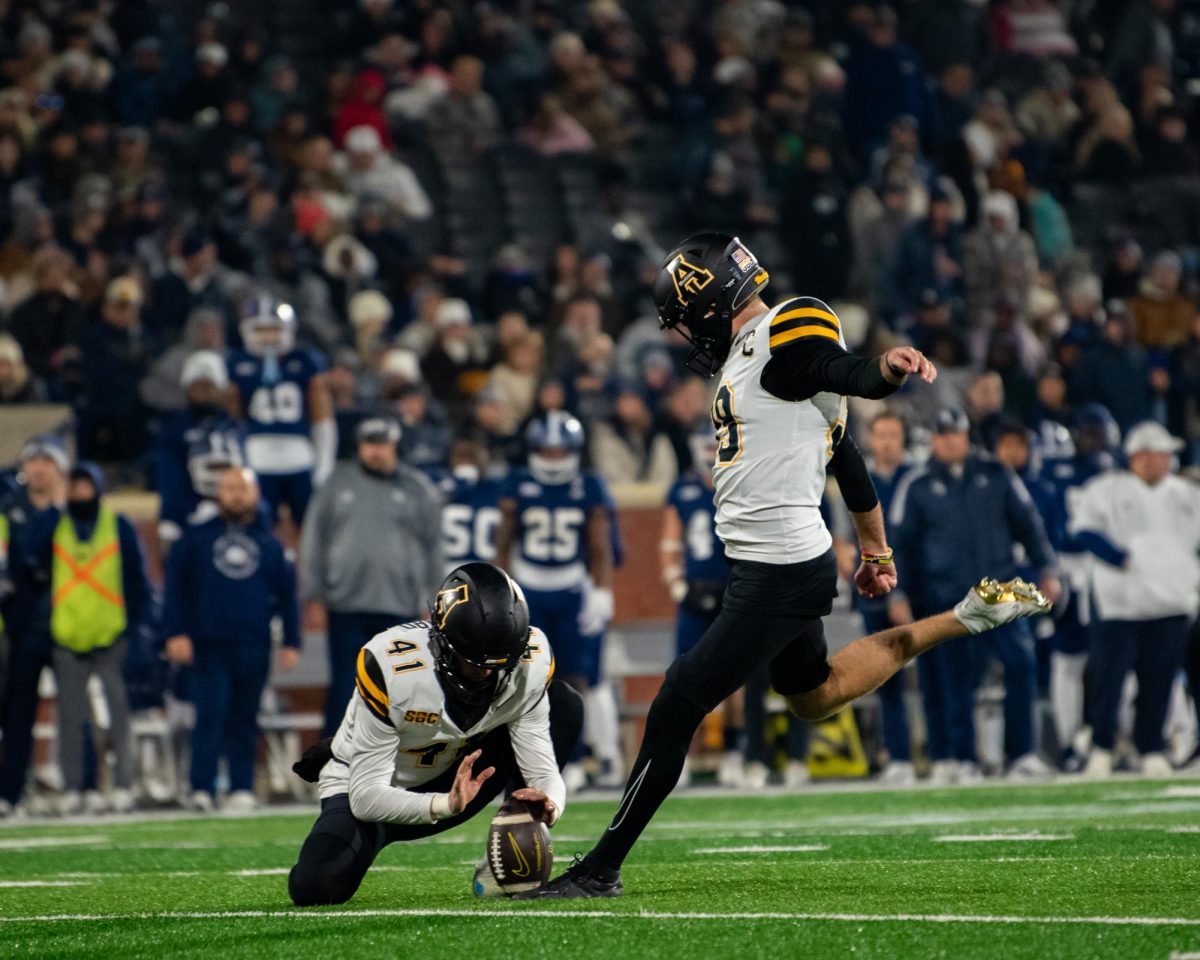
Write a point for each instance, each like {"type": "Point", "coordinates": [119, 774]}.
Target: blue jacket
{"type": "Point", "coordinates": [948, 532]}
{"type": "Point", "coordinates": [225, 583]}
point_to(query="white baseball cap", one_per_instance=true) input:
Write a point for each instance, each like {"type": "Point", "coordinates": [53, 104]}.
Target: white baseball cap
{"type": "Point", "coordinates": [1151, 437]}
{"type": "Point", "coordinates": [204, 365]}
{"type": "Point", "coordinates": [453, 311]}
{"type": "Point", "coordinates": [363, 139]}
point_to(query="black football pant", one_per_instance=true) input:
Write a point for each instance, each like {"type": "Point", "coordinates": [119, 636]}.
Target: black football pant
{"type": "Point", "coordinates": [771, 614]}
{"type": "Point", "coordinates": [340, 848]}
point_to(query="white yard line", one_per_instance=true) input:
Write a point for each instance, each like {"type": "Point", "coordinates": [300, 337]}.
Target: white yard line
{"type": "Point", "coordinates": [520, 912]}
{"type": "Point", "coordinates": [42, 883]}
{"type": "Point", "coordinates": [1000, 837]}
{"type": "Point", "coordinates": [754, 848]}
{"type": "Point", "coordinates": [32, 843]}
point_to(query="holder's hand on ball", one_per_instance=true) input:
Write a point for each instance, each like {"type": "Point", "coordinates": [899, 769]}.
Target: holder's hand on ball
{"type": "Point", "coordinates": [540, 805]}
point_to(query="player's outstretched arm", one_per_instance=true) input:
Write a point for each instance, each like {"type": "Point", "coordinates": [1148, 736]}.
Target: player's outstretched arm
{"type": "Point", "coordinates": [865, 664]}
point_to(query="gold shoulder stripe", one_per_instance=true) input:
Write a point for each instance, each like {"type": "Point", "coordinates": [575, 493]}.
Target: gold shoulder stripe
{"type": "Point", "coordinates": [807, 313]}
{"type": "Point", "coordinates": [812, 331]}
{"type": "Point", "coordinates": [372, 704]}
{"type": "Point", "coordinates": [550, 672]}
{"type": "Point", "coordinates": [370, 685]}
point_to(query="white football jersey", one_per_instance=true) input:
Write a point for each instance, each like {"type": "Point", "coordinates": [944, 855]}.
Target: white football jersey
{"type": "Point", "coordinates": [770, 467]}
{"type": "Point", "coordinates": [397, 735]}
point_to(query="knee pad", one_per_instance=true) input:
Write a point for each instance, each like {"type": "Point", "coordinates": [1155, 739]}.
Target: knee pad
{"type": "Point", "coordinates": [566, 718]}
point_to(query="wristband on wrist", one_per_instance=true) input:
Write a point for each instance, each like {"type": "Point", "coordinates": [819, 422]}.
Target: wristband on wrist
{"type": "Point", "coordinates": [439, 807]}
{"type": "Point", "coordinates": [880, 559]}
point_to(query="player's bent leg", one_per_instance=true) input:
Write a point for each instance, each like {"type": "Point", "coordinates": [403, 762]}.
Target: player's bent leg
{"type": "Point", "coordinates": [865, 664]}
{"type": "Point", "coordinates": [335, 856]}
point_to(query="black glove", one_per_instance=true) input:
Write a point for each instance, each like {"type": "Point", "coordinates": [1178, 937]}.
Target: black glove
{"type": "Point", "coordinates": [310, 765]}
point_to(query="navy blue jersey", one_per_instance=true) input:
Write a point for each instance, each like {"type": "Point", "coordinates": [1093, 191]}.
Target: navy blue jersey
{"type": "Point", "coordinates": [276, 404]}
{"type": "Point", "coordinates": [469, 519]}
{"type": "Point", "coordinates": [703, 552]}
{"type": "Point", "coordinates": [1063, 476]}
{"type": "Point", "coordinates": [189, 448]}
{"type": "Point", "coordinates": [550, 549]}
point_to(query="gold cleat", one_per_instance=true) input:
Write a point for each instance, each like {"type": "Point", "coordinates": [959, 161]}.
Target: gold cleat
{"type": "Point", "coordinates": [991, 603]}
{"type": "Point", "coordinates": [1011, 591]}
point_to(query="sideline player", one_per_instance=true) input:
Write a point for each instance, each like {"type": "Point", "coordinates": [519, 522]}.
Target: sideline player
{"type": "Point", "coordinates": [282, 392]}
{"type": "Point", "coordinates": [695, 572]}
{"type": "Point", "coordinates": [555, 536]}
{"type": "Point", "coordinates": [780, 414]}
{"type": "Point", "coordinates": [447, 714]}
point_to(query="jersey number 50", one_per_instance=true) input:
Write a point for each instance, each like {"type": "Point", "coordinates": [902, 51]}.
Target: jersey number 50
{"type": "Point", "coordinates": [729, 427]}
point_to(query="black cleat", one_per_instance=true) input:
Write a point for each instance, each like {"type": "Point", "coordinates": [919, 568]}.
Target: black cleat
{"type": "Point", "coordinates": [580, 880]}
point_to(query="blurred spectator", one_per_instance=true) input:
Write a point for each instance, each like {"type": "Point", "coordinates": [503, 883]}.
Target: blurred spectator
{"type": "Point", "coordinates": [162, 389]}
{"type": "Point", "coordinates": [627, 448]}
{"type": "Point", "coordinates": [1112, 371]}
{"type": "Point", "coordinates": [226, 581]}
{"type": "Point", "coordinates": [1124, 273]}
{"type": "Point", "coordinates": [362, 110]}
{"type": "Point", "coordinates": [111, 418]}
{"type": "Point", "coordinates": [1162, 315]}
{"type": "Point", "coordinates": [1167, 151]}
{"type": "Point", "coordinates": [359, 577]}
{"type": "Point", "coordinates": [951, 522]}
{"type": "Point", "coordinates": [1142, 526]}
{"type": "Point", "coordinates": [143, 89]}
{"type": "Point", "coordinates": [455, 367]}
{"type": "Point", "coordinates": [818, 236]}
{"type": "Point", "coordinates": [1107, 153]}
{"type": "Point", "coordinates": [370, 173]}
{"type": "Point", "coordinates": [516, 379]}
{"type": "Point", "coordinates": [17, 383]}
{"type": "Point", "coordinates": [49, 325]}
{"type": "Point", "coordinates": [998, 256]}
{"type": "Point", "coordinates": [876, 238]}
{"type": "Point", "coordinates": [550, 130]}
{"type": "Point", "coordinates": [883, 80]}
{"type": "Point", "coordinates": [424, 427]}
{"type": "Point", "coordinates": [100, 596]}
{"type": "Point", "coordinates": [1048, 113]}
{"type": "Point", "coordinates": [929, 257]}
{"type": "Point", "coordinates": [190, 282]}
{"type": "Point", "coordinates": [468, 123]}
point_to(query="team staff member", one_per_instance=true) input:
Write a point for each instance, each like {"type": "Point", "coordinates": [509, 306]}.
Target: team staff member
{"type": "Point", "coordinates": [780, 416]}
{"type": "Point", "coordinates": [886, 438]}
{"type": "Point", "coordinates": [42, 484]}
{"type": "Point", "coordinates": [401, 766]}
{"type": "Point", "coordinates": [370, 552]}
{"type": "Point", "coordinates": [98, 596]}
{"type": "Point", "coordinates": [227, 579]}
{"type": "Point", "coordinates": [953, 522]}
{"type": "Point", "coordinates": [1142, 526]}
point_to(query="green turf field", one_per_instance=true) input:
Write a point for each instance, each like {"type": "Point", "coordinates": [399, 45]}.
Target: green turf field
{"type": "Point", "coordinates": [1072, 871]}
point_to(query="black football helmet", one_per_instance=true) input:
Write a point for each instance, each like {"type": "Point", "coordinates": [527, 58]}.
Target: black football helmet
{"type": "Point", "coordinates": [703, 282]}
{"type": "Point", "coordinates": [480, 618]}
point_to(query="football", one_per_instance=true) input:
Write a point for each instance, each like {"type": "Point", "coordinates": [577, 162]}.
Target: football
{"type": "Point", "coordinates": [519, 853]}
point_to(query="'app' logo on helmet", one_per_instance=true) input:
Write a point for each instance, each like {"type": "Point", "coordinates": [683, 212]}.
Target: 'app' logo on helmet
{"type": "Point", "coordinates": [688, 278]}
{"type": "Point", "coordinates": [446, 601]}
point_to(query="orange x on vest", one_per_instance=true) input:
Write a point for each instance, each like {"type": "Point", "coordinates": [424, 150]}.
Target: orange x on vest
{"type": "Point", "coordinates": [83, 574]}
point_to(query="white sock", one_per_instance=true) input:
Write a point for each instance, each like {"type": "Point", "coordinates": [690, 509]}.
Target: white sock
{"type": "Point", "coordinates": [1066, 694]}
{"type": "Point", "coordinates": [601, 727]}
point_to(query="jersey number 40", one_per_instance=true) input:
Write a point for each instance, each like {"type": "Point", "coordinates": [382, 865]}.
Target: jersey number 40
{"type": "Point", "coordinates": [282, 403]}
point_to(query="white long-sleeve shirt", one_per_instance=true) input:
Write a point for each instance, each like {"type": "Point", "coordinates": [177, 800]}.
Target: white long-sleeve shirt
{"type": "Point", "coordinates": [1158, 528]}
{"type": "Point", "coordinates": [396, 735]}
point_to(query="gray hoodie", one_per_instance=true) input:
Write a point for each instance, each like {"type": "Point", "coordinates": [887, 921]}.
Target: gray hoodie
{"type": "Point", "coordinates": [372, 544]}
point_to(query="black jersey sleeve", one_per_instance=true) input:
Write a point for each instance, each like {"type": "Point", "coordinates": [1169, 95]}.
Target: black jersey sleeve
{"type": "Point", "coordinates": [807, 357]}
{"type": "Point", "coordinates": [854, 480]}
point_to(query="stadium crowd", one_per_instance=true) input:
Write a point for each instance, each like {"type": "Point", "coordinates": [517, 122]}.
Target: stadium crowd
{"type": "Point", "coordinates": [227, 245]}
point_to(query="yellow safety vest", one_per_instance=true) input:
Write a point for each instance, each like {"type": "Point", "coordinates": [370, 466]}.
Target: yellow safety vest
{"type": "Point", "coordinates": [87, 592]}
